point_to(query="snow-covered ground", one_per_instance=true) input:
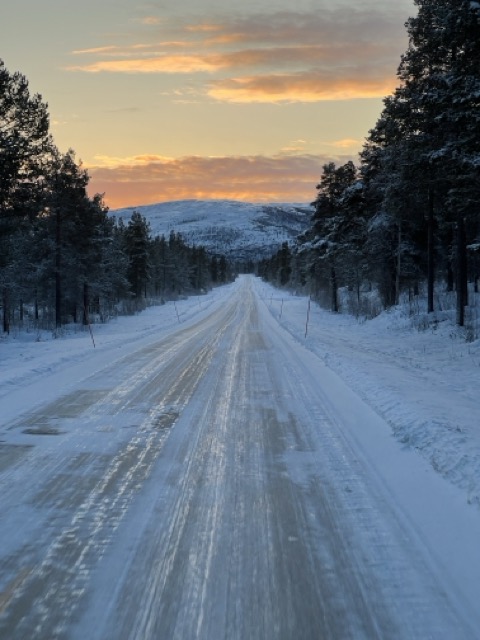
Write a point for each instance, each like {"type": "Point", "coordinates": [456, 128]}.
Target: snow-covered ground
{"type": "Point", "coordinates": [314, 419]}
{"type": "Point", "coordinates": [53, 362]}
{"type": "Point", "coordinates": [424, 383]}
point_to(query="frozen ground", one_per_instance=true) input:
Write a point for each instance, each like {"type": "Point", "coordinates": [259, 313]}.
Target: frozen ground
{"type": "Point", "coordinates": [204, 473]}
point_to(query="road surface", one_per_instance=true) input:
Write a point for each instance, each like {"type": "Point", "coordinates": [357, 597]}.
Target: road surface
{"type": "Point", "coordinates": [207, 486]}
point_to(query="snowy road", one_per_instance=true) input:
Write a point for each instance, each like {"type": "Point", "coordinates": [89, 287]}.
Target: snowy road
{"type": "Point", "coordinates": [216, 483]}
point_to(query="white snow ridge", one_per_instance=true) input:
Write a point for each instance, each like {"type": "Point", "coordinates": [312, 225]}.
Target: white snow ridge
{"type": "Point", "coordinates": [227, 227]}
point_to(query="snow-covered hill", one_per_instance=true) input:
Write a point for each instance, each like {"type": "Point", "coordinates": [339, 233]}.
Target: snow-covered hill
{"type": "Point", "coordinates": [239, 230]}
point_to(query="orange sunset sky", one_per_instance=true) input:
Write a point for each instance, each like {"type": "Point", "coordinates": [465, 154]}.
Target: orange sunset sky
{"type": "Point", "coordinates": [171, 100]}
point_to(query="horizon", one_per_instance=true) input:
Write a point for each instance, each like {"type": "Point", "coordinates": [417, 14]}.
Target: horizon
{"type": "Point", "coordinates": [212, 199]}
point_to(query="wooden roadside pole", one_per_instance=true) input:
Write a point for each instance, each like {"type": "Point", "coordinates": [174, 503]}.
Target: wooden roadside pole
{"type": "Point", "coordinates": [308, 315]}
{"type": "Point", "coordinates": [89, 325]}
{"type": "Point", "coordinates": [176, 311]}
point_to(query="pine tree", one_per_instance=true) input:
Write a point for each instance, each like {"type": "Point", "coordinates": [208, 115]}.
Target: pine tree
{"type": "Point", "coordinates": [331, 220]}
{"type": "Point", "coordinates": [431, 125]}
{"type": "Point", "coordinates": [24, 141]}
{"type": "Point", "coordinates": [137, 247]}
{"type": "Point", "coordinates": [67, 201]}
{"type": "Point", "coordinates": [284, 265]}
{"type": "Point", "coordinates": [160, 265]}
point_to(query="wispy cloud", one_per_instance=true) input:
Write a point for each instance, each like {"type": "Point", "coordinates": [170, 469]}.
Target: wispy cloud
{"type": "Point", "coordinates": [313, 86]}
{"type": "Point", "coordinates": [160, 64]}
{"type": "Point", "coordinates": [358, 25]}
{"type": "Point", "coordinates": [346, 143]}
{"type": "Point", "coordinates": [279, 57]}
{"type": "Point", "coordinates": [96, 50]}
{"type": "Point", "coordinates": [150, 179]}
{"type": "Point", "coordinates": [273, 57]}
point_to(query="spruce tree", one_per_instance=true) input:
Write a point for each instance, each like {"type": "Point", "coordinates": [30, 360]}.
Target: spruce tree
{"type": "Point", "coordinates": [430, 130]}
{"type": "Point", "coordinates": [24, 141]}
{"type": "Point", "coordinates": [331, 220]}
{"type": "Point", "coordinates": [137, 247]}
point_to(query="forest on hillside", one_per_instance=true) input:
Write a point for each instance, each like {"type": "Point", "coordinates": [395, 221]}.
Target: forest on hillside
{"type": "Point", "coordinates": [63, 259]}
{"type": "Point", "coordinates": [405, 222]}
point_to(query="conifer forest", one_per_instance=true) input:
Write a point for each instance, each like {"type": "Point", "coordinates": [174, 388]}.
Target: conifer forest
{"type": "Point", "coordinates": [63, 259]}
{"type": "Point", "coordinates": [405, 221]}
{"type": "Point", "coordinates": [401, 222]}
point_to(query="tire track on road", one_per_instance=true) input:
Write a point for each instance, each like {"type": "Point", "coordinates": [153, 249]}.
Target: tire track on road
{"type": "Point", "coordinates": [43, 598]}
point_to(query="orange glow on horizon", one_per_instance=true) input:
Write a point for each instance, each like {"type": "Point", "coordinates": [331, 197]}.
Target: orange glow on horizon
{"type": "Point", "coordinates": [282, 178]}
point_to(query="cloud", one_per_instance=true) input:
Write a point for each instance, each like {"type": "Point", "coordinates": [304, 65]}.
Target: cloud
{"type": "Point", "coordinates": [314, 86]}
{"type": "Point", "coordinates": [151, 20]}
{"type": "Point", "coordinates": [274, 57]}
{"type": "Point", "coordinates": [327, 26]}
{"type": "Point", "coordinates": [159, 64]}
{"type": "Point", "coordinates": [278, 57]}
{"type": "Point", "coordinates": [113, 162]}
{"type": "Point", "coordinates": [346, 143]}
{"type": "Point", "coordinates": [151, 179]}
{"type": "Point", "coordinates": [96, 50]}
{"type": "Point", "coordinates": [295, 147]}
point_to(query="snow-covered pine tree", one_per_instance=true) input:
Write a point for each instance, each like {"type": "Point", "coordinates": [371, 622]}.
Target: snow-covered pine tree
{"type": "Point", "coordinates": [24, 141]}
{"type": "Point", "coordinates": [441, 70]}
{"type": "Point", "coordinates": [137, 247]}
{"type": "Point", "coordinates": [431, 125]}
{"type": "Point", "coordinates": [333, 220]}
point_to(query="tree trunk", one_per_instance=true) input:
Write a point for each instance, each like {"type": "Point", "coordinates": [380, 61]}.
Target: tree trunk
{"type": "Point", "coordinates": [462, 284]}
{"type": "Point", "coordinates": [448, 250]}
{"type": "Point", "coordinates": [450, 277]}
{"type": "Point", "coordinates": [58, 267]}
{"type": "Point", "coordinates": [333, 281]}
{"type": "Point", "coordinates": [431, 252]}
{"type": "Point", "coordinates": [398, 265]}
{"type": "Point", "coordinates": [86, 303]}
{"type": "Point", "coordinates": [6, 310]}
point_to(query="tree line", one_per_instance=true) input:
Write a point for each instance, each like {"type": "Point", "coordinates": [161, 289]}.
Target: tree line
{"type": "Point", "coordinates": [408, 215]}
{"type": "Point", "coordinates": [62, 257]}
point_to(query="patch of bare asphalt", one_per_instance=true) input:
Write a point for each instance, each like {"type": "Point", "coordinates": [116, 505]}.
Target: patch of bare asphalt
{"type": "Point", "coordinates": [11, 453]}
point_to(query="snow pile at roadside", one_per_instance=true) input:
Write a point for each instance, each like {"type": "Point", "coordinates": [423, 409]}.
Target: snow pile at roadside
{"type": "Point", "coordinates": [424, 383]}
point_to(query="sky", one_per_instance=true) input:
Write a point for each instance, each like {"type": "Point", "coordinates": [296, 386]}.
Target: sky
{"type": "Point", "coordinates": [172, 100]}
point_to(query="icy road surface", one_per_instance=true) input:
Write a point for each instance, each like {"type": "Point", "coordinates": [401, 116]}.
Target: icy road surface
{"type": "Point", "coordinates": [222, 483]}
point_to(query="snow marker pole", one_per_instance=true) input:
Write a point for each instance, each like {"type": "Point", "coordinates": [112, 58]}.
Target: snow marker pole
{"type": "Point", "coordinates": [308, 315]}
{"type": "Point", "coordinates": [281, 309]}
{"type": "Point", "coordinates": [89, 325]}
{"type": "Point", "coordinates": [176, 311]}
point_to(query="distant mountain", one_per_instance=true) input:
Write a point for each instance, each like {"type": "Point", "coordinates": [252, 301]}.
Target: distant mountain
{"type": "Point", "coordinates": [238, 230]}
